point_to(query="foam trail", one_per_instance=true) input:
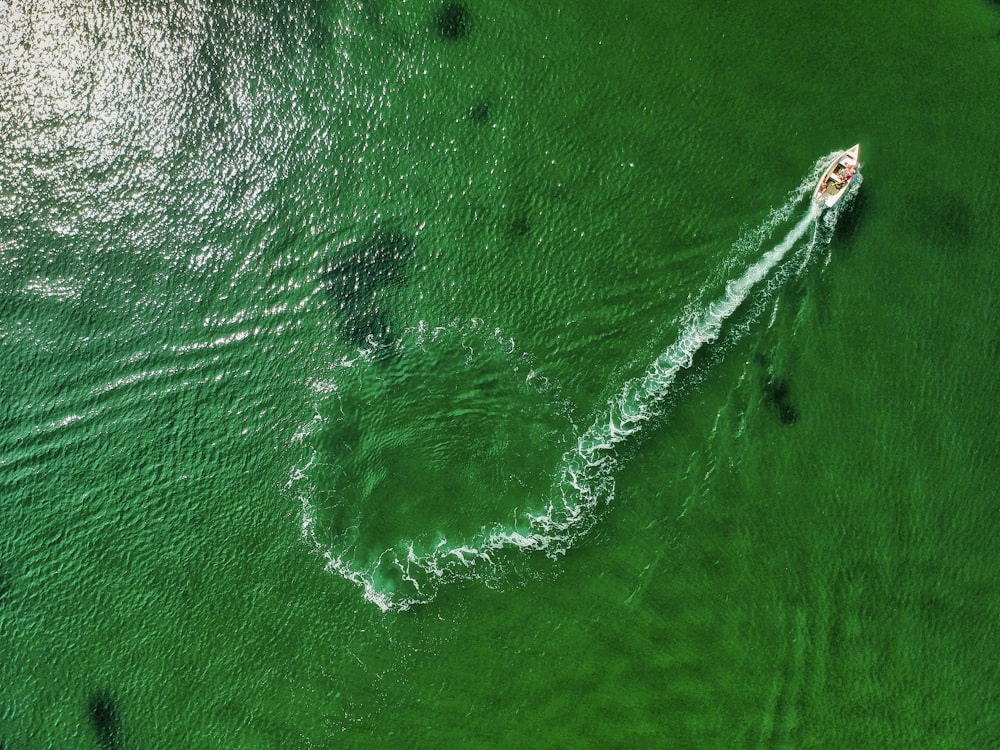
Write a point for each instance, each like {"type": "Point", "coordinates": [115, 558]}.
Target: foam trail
{"type": "Point", "coordinates": [587, 469]}
{"type": "Point", "coordinates": [403, 576]}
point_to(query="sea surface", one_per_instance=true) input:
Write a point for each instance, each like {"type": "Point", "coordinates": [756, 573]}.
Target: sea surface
{"type": "Point", "coordinates": [421, 374]}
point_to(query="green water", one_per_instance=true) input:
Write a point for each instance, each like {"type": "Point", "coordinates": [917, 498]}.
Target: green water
{"type": "Point", "coordinates": [289, 293]}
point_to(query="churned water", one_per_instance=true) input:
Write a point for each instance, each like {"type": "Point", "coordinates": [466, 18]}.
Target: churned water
{"type": "Point", "coordinates": [406, 373]}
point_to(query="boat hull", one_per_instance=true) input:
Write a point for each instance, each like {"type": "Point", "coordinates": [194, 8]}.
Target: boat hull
{"type": "Point", "coordinates": [837, 178]}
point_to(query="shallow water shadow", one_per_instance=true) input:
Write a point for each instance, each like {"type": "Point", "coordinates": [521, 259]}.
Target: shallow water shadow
{"type": "Point", "coordinates": [104, 720]}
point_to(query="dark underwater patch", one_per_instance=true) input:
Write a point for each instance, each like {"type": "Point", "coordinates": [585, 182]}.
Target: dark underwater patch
{"type": "Point", "coordinates": [452, 21]}
{"type": "Point", "coordinates": [956, 218]}
{"type": "Point", "coordinates": [850, 221]}
{"type": "Point", "coordinates": [358, 280]}
{"type": "Point", "coordinates": [777, 396]}
{"type": "Point", "coordinates": [363, 267]}
{"type": "Point", "coordinates": [520, 226]}
{"type": "Point", "coordinates": [479, 113]}
{"type": "Point", "coordinates": [945, 218]}
{"type": "Point", "coordinates": [104, 720]}
{"type": "Point", "coordinates": [371, 11]}
{"type": "Point", "coordinates": [776, 392]}
{"type": "Point", "coordinates": [365, 328]}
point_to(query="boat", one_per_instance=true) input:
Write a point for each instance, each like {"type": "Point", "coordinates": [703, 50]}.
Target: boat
{"type": "Point", "coordinates": [833, 184]}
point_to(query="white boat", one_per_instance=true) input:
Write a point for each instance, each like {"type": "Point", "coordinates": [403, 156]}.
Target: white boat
{"type": "Point", "coordinates": [833, 184]}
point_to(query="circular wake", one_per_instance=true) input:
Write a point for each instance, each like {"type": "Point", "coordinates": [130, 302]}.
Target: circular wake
{"type": "Point", "coordinates": [419, 470]}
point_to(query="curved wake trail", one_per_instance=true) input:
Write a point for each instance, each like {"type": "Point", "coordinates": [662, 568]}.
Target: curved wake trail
{"type": "Point", "coordinates": [587, 470]}
{"type": "Point", "coordinates": [403, 576]}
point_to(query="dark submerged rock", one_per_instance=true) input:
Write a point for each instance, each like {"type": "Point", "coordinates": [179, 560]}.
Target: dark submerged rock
{"type": "Point", "coordinates": [452, 21]}
{"type": "Point", "coordinates": [104, 720]}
